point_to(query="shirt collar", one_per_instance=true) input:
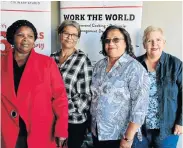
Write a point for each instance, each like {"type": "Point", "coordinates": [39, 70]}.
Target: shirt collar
{"type": "Point", "coordinates": [123, 58]}
{"type": "Point", "coordinates": [162, 57]}
{"type": "Point", "coordinates": [59, 52]}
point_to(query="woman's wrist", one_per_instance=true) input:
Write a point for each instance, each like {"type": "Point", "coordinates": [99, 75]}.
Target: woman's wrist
{"type": "Point", "coordinates": [130, 140]}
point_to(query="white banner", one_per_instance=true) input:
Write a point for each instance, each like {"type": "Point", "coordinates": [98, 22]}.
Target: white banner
{"type": "Point", "coordinates": [37, 12]}
{"type": "Point", "coordinates": [94, 17]}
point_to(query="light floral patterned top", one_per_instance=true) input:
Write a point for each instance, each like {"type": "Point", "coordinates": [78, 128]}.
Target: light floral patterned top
{"type": "Point", "coordinates": [153, 116]}
{"type": "Point", "coordinates": [118, 97]}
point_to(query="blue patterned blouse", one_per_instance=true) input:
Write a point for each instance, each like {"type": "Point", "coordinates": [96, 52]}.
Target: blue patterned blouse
{"type": "Point", "coordinates": [119, 96]}
{"type": "Point", "coordinates": [153, 118]}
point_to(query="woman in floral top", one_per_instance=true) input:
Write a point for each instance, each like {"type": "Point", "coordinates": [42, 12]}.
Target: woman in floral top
{"type": "Point", "coordinates": [164, 118]}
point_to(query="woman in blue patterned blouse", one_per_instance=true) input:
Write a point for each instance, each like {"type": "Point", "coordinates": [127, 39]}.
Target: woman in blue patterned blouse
{"type": "Point", "coordinates": [120, 88]}
{"type": "Point", "coordinates": [164, 118]}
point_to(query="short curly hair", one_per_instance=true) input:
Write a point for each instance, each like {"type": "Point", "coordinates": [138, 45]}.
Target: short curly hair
{"type": "Point", "coordinates": [15, 26]}
{"type": "Point", "coordinates": [150, 29]}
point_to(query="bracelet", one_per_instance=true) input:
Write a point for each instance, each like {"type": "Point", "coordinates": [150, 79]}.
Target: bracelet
{"type": "Point", "coordinates": [126, 139]}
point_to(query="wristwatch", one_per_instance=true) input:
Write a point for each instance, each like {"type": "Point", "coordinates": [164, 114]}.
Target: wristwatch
{"type": "Point", "coordinates": [126, 139]}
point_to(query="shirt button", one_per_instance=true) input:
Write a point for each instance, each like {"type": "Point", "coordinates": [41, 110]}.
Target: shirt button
{"type": "Point", "coordinates": [13, 114]}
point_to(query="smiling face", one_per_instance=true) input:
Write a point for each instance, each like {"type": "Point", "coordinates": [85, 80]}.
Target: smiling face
{"type": "Point", "coordinates": [69, 37]}
{"type": "Point", "coordinates": [115, 44]}
{"type": "Point", "coordinates": [154, 44]}
{"type": "Point", "coordinates": [24, 40]}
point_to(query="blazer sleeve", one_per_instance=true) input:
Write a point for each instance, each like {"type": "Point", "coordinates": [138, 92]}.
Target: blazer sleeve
{"type": "Point", "coordinates": [59, 102]}
{"type": "Point", "coordinates": [179, 96]}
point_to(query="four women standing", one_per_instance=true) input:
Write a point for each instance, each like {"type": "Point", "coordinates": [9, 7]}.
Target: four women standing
{"type": "Point", "coordinates": [122, 91]}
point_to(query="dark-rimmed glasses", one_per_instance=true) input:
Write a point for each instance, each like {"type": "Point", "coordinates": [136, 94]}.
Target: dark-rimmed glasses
{"type": "Point", "coordinates": [114, 40]}
{"type": "Point", "coordinates": [73, 36]}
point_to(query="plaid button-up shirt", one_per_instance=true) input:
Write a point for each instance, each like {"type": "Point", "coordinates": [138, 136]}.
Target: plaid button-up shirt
{"type": "Point", "coordinates": [76, 72]}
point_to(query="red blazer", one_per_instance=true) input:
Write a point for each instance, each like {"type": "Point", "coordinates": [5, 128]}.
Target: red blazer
{"type": "Point", "coordinates": [41, 97]}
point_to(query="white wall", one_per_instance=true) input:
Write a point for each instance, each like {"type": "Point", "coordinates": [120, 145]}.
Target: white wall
{"type": "Point", "coordinates": [168, 16]}
{"type": "Point", "coordinates": [55, 22]}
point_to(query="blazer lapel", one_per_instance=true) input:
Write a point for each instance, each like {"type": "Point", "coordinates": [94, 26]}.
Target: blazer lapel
{"type": "Point", "coordinates": [29, 77]}
{"type": "Point", "coordinates": [8, 89]}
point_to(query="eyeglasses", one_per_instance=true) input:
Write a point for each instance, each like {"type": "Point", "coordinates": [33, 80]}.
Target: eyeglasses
{"type": "Point", "coordinates": [114, 40]}
{"type": "Point", "coordinates": [73, 36]}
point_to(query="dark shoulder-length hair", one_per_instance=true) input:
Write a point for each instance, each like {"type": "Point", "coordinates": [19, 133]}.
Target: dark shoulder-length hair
{"type": "Point", "coordinates": [129, 47]}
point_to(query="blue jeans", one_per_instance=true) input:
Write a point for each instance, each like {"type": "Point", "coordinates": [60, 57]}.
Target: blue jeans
{"type": "Point", "coordinates": [153, 140]}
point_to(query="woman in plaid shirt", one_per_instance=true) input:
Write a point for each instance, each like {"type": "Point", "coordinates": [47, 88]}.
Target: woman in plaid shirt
{"type": "Point", "coordinates": [76, 70]}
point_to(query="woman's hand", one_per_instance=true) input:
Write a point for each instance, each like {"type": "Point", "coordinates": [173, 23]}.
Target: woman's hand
{"type": "Point", "coordinates": [128, 136]}
{"type": "Point", "coordinates": [60, 141]}
{"type": "Point", "coordinates": [125, 144]}
{"type": "Point", "coordinates": [178, 129]}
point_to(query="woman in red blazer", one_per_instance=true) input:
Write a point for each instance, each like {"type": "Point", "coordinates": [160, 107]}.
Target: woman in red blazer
{"type": "Point", "coordinates": [34, 106]}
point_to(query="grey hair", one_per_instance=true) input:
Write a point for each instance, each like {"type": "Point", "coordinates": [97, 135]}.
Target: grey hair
{"type": "Point", "coordinates": [150, 29]}
{"type": "Point", "coordinates": [69, 23]}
